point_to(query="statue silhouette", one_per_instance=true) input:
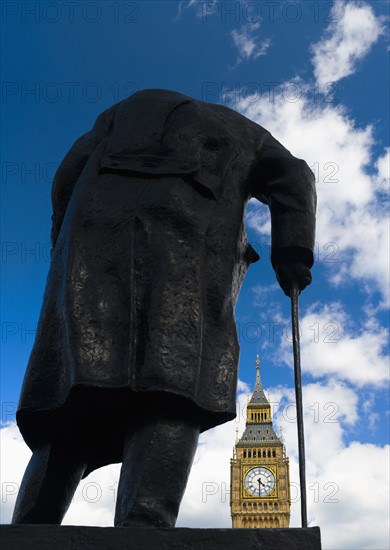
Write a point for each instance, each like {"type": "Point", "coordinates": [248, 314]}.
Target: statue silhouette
{"type": "Point", "coordinates": [136, 351]}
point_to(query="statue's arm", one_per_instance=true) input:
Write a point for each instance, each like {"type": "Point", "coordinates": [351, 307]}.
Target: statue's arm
{"type": "Point", "coordinates": [71, 167]}
{"type": "Point", "coordinates": [287, 185]}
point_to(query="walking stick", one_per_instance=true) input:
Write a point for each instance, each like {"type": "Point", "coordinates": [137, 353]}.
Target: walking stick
{"type": "Point", "coordinates": [298, 399]}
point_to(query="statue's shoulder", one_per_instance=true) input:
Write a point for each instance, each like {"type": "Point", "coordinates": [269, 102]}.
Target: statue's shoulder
{"type": "Point", "coordinates": [153, 105]}
{"type": "Point", "coordinates": [233, 116]}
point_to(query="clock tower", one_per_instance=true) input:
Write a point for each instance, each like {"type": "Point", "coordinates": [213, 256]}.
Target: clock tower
{"type": "Point", "coordinates": [259, 469]}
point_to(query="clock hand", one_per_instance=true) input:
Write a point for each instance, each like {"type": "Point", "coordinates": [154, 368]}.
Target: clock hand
{"type": "Point", "coordinates": [260, 484]}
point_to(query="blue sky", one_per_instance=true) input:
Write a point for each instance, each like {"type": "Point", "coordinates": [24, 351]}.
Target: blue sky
{"type": "Point", "coordinates": [316, 75]}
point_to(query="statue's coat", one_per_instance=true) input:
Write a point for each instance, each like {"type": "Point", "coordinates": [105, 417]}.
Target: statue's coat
{"type": "Point", "coordinates": [149, 253]}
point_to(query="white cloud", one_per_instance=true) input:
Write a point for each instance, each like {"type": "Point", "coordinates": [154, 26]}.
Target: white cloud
{"type": "Point", "coordinates": [245, 38]}
{"type": "Point", "coordinates": [344, 482]}
{"type": "Point", "coordinates": [332, 345]}
{"type": "Point", "coordinates": [14, 457]}
{"type": "Point", "coordinates": [350, 469]}
{"type": "Point", "coordinates": [382, 179]}
{"type": "Point", "coordinates": [247, 44]}
{"type": "Point", "coordinates": [258, 218]}
{"type": "Point", "coordinates": [351, 210]}
{"type": "Point", "coordinates": [371, 416]}
{"type": "Point", "coordinates": [185, 4]}
{"type": "Point", "coordinates": [346, 42]}
{"type": "Point", "coordinates": [204, 10]}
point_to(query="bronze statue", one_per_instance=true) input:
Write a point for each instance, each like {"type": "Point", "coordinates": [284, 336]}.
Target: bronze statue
{"type": "Point", "coordinates": [137, 351]}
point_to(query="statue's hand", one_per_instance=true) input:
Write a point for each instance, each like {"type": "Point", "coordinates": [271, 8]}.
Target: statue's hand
{"type": "Point", "coordinates": [290, 272]}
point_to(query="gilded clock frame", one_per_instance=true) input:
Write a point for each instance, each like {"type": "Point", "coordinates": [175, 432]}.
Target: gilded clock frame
{"type": "Point", "coordinates": [272, 468]}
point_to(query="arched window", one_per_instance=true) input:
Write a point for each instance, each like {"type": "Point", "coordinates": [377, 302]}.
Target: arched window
{"type": "Point", "coordinates": [264, 454]}
{"type": "Point", "coordinates": [269, 454]}
{"type": "Point", "coordinates": [274, 453]}
{"type": "Point", "coordinates": [249, 454]}
{"type": "Point", "coordinates": [244, 454]}
{"type": "Point", "coordinates": [254, 453]}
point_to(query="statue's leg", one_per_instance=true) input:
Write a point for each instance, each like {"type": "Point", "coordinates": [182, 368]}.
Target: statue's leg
{"type": "Point", "coordinates": [48, 485]}
{"type": "Point", "coordinates": [157, 461]}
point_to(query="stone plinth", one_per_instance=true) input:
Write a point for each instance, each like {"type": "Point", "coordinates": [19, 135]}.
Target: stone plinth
{"type": "Point", "coordinates": [53, 537]}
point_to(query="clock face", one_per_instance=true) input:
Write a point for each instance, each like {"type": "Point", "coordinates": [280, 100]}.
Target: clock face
{"type": "Point", "coordinates": [259, 482]}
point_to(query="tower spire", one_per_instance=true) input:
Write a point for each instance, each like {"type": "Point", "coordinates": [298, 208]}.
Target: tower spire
{"type": "Point", "coordinates": [258, 395]}
{"type": "Point", "coordinates": [258, 369]}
